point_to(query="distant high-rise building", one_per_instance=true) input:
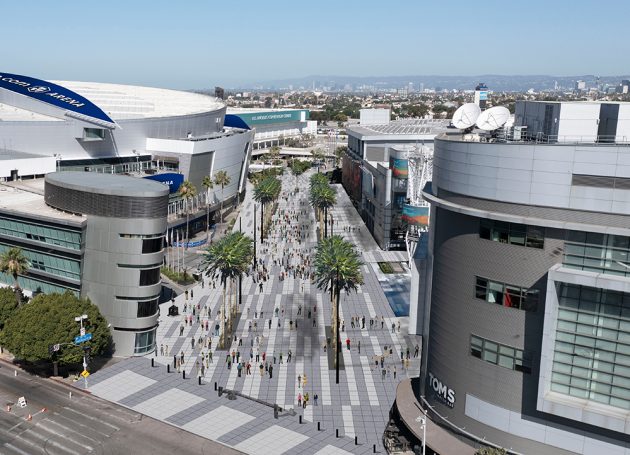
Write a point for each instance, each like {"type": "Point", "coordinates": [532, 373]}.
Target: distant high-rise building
{"type": "Point", "coordinates": [580, 85]}
{"type": "Point", "coordinates": [481, 95]}
{"type": "Point", "coordinates": [219, 92]}
{"type": "Point", "coordinates": [625, 86]}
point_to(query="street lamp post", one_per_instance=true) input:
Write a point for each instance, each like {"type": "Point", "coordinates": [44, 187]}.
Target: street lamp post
{"type": "Point", "coordinates": [80, 320]}
{"type": "Point", "coordinates": [254, 236]}
{"type": "Point", "coordinates": [422, 420]}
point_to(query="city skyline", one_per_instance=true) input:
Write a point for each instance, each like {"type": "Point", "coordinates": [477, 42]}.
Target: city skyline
{"type": "Point", "coordinates": [206, 45]}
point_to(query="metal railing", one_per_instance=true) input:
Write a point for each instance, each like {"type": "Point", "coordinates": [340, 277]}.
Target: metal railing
{"type": "Point", "coordinates": [460, 433]}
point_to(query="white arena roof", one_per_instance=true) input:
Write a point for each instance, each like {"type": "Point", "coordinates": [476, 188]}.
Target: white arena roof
{"type": "Point", "coordinates": [122, 102]}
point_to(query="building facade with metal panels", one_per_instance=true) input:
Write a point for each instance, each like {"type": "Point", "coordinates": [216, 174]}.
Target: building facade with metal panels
{"type": "Point", "coordinates": [100, 236]}
{"type": "Point", "coordinates": [526, 338]}
{"type": "Point", "coordinates": [375, 173]}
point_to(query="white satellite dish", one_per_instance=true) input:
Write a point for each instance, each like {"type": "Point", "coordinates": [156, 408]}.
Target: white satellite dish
{"type": "Point", "coordinates": [466, 115]}
{"type": "Point", "coordinates": [493, 118]}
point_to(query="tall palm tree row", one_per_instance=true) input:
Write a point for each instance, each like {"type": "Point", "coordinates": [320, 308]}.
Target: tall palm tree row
{"type": "Point", "coordinates": [14, 263]}
{"type": "Point", "coordinates": [229, 258]}
{"type": "Point", "coordinates": [222, 179]}
{"type": "Point", "coordinates": [208, 184]}
{"type": "Point", "coordinates": [267, 191]}
{"type": "Point", "coordinates": [187, 191]}
{"type": "Point", "coordinates": [337, 267]}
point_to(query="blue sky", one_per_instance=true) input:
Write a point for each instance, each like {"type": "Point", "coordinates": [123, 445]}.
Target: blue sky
{"type": "Point", "coordinates": [199, 44]}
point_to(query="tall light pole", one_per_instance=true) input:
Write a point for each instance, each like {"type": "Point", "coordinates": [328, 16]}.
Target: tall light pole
{"type": "Point", "coordinates": [422, 420]}
{"type": "Point", "coordinates": [254, 236]}
{"type": "Point", "coordinates": [80, 320]}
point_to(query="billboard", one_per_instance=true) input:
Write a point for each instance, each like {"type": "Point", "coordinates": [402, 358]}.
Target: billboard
{"type": "Point", "coordinates": [58, 96]}
{"type": "Point", "coordinates": [265, 118]}
{"type": "Point", "coordinates": [171, 179]}
{"type": "Point", "coordinates": [399, 167]}
{"type": "Point", "coordinates": [415, 216]}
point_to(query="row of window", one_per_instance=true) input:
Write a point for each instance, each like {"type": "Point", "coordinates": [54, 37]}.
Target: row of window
{"type": "Point", "coordinates": [145, 342]}
{"type": "Point", "coordinates": [507, 295]}
{"type": "Point", "coordinates": [513, 233]}
{"type": "Point", "coordinates": [40, 233]}
{"type": "Point", "coordinates": [500, 354]}
{"type": "Point", "coordinates": [595, 252]}
{"type": "Point", "coordinates": [592, 347]}
{"type": "Point", "coordinates": [148, 308]}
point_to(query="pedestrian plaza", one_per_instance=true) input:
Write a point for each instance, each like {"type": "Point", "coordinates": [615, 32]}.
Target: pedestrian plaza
{"type": "Point", "coordinates": [290, 316]}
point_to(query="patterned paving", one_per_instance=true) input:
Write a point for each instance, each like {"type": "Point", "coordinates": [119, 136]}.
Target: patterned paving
{"type": "Point", "coordinates": [288, 315]}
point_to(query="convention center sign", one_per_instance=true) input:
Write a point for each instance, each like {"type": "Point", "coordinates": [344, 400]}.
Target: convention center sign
{"type": "Point", "coordinates": [74, 104]}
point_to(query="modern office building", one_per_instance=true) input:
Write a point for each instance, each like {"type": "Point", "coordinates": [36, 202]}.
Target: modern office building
{"type": "Point", "coordinates": [525, 311]}
{"type": "Point", "coordinates": [375, 171]}
{"type": "Point", "coordinates": [98, 235]}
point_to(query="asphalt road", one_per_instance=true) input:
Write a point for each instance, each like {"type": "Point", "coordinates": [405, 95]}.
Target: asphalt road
{"type": "Point", "coordinates": [82, 424]}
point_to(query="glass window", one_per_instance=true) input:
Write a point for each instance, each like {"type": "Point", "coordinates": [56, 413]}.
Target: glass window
{"type": "Point", "coordinates": [151, 245]}
{"type": "Point", "coordinates": [149, 277]}
{"type": "Point", "coordinates": [597, 252]}
{"type": "Point", "coordinates": [148, 308]}
{"type": "Point", "coordinates": [499, 354]}
{"type": "Point", "coordinates": [145, 342]}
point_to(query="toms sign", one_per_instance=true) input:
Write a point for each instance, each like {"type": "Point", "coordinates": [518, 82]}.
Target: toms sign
{"type": "Point", "coordinates": [445, 394]}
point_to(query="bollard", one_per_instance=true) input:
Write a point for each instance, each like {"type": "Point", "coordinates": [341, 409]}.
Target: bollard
{"type": "Point", "coordinates": [318, 426]}
{"type": "Point", "coordinates": [300, 419]}
{"type": "Point", "coordinates": [336, 432]}
{"type": "Point", "coordinates": [168, 368]}
{"type": "Point", "coordinates": [215, 385]}
{"type": "Point", "coordinates": [220, 390]}
{"type": "Point", "coordinates": [356, 440]}
{"type": "Point", "coordinates": [70, 395]}
{"type": "Point", "coordinates": [374, 448]}
{"type": "Point", "coordinates": [152, 362]}
{"type": "Point", "coordinates": [183, 374]}
{"type": "Point", "coordinates": [199, 377]}
{"type": "Point", "coordinates": [174, 361]}
{"type": "Point", "coordinates": [14, 372]}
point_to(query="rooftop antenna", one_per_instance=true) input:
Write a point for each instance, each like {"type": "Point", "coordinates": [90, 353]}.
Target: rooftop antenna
{"type": "Point", "coordinates": [466, 116]}
{"type": "Point", "coordinates": [493, 119]}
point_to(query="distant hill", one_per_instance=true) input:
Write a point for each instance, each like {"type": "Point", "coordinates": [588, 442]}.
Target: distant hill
{"type": "Point", "coordinates": [493, 81]}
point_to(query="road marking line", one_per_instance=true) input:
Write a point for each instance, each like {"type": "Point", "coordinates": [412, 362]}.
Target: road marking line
{"type": "Point", "coordinates": [93, 418]}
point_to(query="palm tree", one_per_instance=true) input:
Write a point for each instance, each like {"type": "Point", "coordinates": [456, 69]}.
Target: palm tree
{"type": "Point", "coordinates": [322, 197]}
{"type": "Point", "coordinates": [337, 267]}
{"type": "Point", "coordinates": [208, 185]}
{"type": "Point", "coordinates": [222, 178]}
{"type": "Point", "coordinates": [187, 191]}
{"type": "Point", "coordinates": [267, 190]}
{"type": "Point", "coordinates": [230, 257]}
{"type": "Point", "coordinates": [14, 263]}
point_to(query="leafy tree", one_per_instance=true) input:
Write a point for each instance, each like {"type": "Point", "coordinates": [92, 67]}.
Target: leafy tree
{"type": "Point", "coordinates": [322, 197]}
{"type": "Point", "coordinates": [8, 305]}
{"type": "Point", "coordinates": [208, 184]}
{"type": "Point", "coordinates": [230, 258]}
{"type": "Point", "coordinates": [14, 263]}
{"type": "Point", "coordinates": [267, 190]}
{"type": "Point", "coordinates": [223, 179]}
{"type": "Point", "coordinates": [187, 191]}
{"type": "Point", "coordinates": [337, 267]}
{"type": "Point", "coordinates": [48, 319]}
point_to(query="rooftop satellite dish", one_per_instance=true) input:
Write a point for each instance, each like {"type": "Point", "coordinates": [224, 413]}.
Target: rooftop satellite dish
{"type": "Point", "coordinates": [493, 118]}
{"type": "Point", "coordinates": [466, 115]}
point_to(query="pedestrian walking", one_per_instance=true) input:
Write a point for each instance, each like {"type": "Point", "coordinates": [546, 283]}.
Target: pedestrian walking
{"type": "Point", "coordinates": [270, 371]}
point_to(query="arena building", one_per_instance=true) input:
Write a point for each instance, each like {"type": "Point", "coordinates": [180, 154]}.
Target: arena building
{"type": "Point", "coordinates": [94, 233]}
{"type": "Point", "coordinates": [525, 313]}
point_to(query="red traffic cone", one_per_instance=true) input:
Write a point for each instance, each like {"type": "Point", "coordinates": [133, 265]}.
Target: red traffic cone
{"type": "Point", "coordinates": [29, 418]}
